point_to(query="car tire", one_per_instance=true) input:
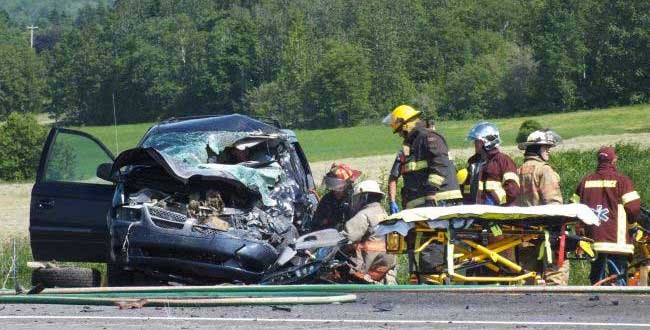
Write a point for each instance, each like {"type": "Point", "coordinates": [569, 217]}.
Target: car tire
{"type": "Point", "coordinates": [67, 277]}
{"type": "Point", "coordinates": [118, 276]}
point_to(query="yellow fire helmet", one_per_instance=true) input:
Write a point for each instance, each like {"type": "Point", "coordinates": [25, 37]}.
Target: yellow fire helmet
{"type": "Point", "coordinates": [400, 116]}
{"type": "Point", "coordinates": [461, 175]}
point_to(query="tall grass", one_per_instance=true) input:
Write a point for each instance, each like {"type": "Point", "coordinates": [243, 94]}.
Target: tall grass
{"type": "Point", "coordinates": [23, 255]}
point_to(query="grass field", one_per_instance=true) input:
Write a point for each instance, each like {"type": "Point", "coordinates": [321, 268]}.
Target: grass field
{"type": "Point", "coordinates": [377, 140]}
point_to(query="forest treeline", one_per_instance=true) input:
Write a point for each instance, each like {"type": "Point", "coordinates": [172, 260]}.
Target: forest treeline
{"type": "Point", "coordinates": [323, 63]}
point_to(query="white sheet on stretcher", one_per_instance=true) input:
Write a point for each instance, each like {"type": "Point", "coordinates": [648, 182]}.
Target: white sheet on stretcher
{"type": "Point", "coordinates": [438, 217]}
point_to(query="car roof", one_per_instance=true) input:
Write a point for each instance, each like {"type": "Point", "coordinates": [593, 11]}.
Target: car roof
{"type": "Point", "coordinates": [227, 123]}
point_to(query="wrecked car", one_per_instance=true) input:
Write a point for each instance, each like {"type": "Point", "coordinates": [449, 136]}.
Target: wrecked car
{"type": "Point", "coordinates": [200, 200]}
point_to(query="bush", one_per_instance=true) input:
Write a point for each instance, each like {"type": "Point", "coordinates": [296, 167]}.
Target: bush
{"type": "Point", "coordinates": [526, 128]}
{"type": "Point", "coordinates": [21, 141]}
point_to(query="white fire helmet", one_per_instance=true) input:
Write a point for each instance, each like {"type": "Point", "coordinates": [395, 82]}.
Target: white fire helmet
{"type": "Point", "coordinates": [367, 186]}
{"type": "Point", "coordinates": [541, 137]}
{"type": "Point", "coordinates": [487, 132]}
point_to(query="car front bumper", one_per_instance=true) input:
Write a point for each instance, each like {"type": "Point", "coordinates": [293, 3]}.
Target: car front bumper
{"type": "Point", "coordinates": [183, 250]}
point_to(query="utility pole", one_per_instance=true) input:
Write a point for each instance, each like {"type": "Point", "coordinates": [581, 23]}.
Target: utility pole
{"type": "Point", "coordinates": [31, 33]}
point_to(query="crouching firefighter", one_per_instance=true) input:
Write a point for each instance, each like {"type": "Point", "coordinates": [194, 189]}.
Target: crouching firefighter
{"type": "Point", "coordinates": [429, 178]}
{"type": "Point", "coordinates": [371, 262]}
{"type": "Point", "coordinates": [334, 207]}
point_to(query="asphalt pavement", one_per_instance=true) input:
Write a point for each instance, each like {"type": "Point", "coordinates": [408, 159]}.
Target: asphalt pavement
{"type": "Point", "coordinates": [384, 310]}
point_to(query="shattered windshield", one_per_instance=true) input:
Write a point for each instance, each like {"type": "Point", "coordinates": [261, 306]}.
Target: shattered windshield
{"type": "Point", "coordinates": [204, 153]}
{"type": "Point", "coordinates": [189, 149]}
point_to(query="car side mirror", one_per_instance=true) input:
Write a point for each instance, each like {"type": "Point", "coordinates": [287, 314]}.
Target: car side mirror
{"type": "Point", "coordinates": [104, 171]}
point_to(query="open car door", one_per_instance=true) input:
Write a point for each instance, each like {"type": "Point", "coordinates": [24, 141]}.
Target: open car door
{"type": "Point", "coordinates": [69, 202]}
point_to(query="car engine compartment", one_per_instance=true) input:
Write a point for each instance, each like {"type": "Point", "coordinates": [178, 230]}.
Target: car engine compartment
{"type": "Point", "coordinates": [209, 210]}
{"type": "Point", "coordinates": [214, 202]}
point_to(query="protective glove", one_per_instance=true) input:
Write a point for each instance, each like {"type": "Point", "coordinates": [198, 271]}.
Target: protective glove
{"type": "Point", "coordinates": [393, 207]}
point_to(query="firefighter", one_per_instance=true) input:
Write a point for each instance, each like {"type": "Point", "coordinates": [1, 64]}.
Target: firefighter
{"type": "Point", "coordinates": [371, 263]}
{"type": "Point", "coordinates": [429, 178]}
{"type": "Point", "coordinates": [394, 175]}
{"type": "Point", "coordinates": [334, 207]}
{"type": "Point", "coordinates": [611, 195]}
{"type": "Point", "coordinates": [540, 185]}
{"type": "Point", "coordinates": [492, 178]}
{"type": "Point", "coordinates": [492, 175]}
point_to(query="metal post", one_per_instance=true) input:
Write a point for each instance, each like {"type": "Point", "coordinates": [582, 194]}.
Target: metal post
{"type": "Point", "coordinates": [31, 35]}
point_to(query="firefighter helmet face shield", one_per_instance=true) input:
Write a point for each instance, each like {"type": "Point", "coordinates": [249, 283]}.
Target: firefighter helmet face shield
{"type": "Point", "coordinates": [400, 116]}
{"type": "Point", "coordinates": [388, 120]}
{"type": "Point", "coordinates": [486, 132]}
{"type": "Point", "coordinates": [336, 184]}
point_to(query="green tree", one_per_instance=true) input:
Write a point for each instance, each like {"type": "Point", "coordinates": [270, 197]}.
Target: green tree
{"type": "Point", "coordinates": [384, 39]}
{"type": "Point", "coordinates": [453, 59]}
{"type": "Point", "coordinates": [231, 59]}
{"type": "Point", "coordinates": [22, 79]}
{"type": "Point", "coordinates": [559, 47]}
{"type": "Point", "coordinates": [617, 36]}
{"type": "Point", "coordinates": [80, 71]}
{"type": "Point", "coordinates": [526, 128]}
{"type": "Point", "coordinates": [21, 141]}
{"type": "Point", "coordinates": [490, 84]}
{"type": "Point", "coordinates": [340, 87]}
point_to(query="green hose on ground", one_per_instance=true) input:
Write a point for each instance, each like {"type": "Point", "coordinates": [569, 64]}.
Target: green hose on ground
{"type": "Point", "coordinates": [237, 295]}
{"type": "Point", "coordinates": [153, 301]}
{"type": "Point", "coordinates": [177, 296]}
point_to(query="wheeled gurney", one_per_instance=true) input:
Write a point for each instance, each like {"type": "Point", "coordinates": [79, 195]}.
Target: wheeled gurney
{"type": "Point", "coordinates": [476, 240]}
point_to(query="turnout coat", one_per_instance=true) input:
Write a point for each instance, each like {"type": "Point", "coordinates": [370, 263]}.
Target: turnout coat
{"type": "Point", "coordinates": [493, 181]}
{"type": "Point", "coordinates": [611, 195]}
{"type": "Point", "coordinates": [429, 176]}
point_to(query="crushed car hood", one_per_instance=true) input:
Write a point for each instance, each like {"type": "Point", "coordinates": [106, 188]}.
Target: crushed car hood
{"type": "Point", "coordinates": [254, 180]}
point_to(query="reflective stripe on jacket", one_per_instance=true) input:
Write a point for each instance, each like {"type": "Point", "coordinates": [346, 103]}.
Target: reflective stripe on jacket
{"type": "Point", "coordinates": [492, 181]}
{"type": "Point", "coordinates": [614, 200]}
{"type": "Point", "coordinates": [428, 173]}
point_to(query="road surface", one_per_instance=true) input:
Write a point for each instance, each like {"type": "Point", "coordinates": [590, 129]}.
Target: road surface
{"type": "Point", "coordinates": [383, 310]}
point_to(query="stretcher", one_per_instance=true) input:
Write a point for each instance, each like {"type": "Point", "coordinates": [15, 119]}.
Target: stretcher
{"type": "Point", "coordinates": [475, 243]}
